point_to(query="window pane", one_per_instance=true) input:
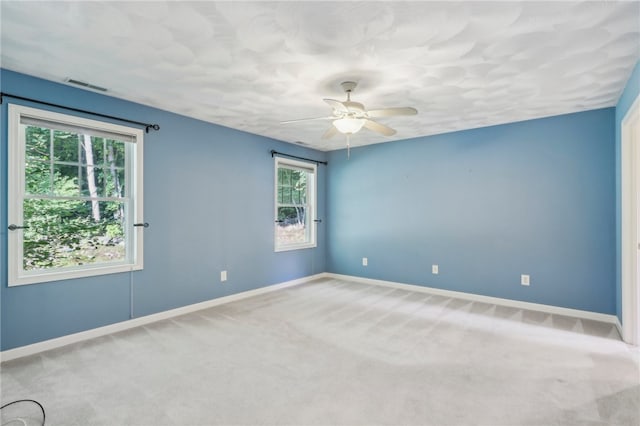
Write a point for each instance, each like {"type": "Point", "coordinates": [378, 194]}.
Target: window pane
{"type": "Point", "coordinates": [98, 149]}
{"type": "Point", "coordinates": [115, 186]}
{"type": "Point", "coordinates": [288, 195]}
{"type": "Point", "coordinates": [292, 229]}
{"type": "Point", "coordinates": [65, 146]}
{"type": "Point", "coordinates": [295, 199]}
{"type": "Point", "coordinates": [280, 176]}
{"type": "Point", "coordinates": [68, 233]}
{"type": "Point", "coordinates": [299, 184]}
{"type": "Point", "coordinates": [38, 143]}
{"type": "Point", "coordinates": [296, 177]}
{"type": "Point", "coordinates": [286, 177]}
{"type": "Point", "coordinates": [91, 181]}
{"type": "Point", "coordinates": [65, 180]}
{"type": "Point", "coordinates": [37, 178]}
{"type": "Point", "coordinates": [91, 150]}
{"type": "Point", "coordinates": [115, 153]}
{"type": "Point", "coordinates": [109, 181]}
{"type": "Point", "coordinates": [99, 174]}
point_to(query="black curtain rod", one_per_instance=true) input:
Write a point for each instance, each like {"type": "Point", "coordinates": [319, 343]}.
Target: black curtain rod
{"type": "Point", "coordinates": [274, 152]}
{"type": "Point", "coordinates": [147, 126]}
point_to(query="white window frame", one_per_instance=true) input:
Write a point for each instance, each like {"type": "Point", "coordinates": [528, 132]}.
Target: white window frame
{"type": "Point", "coordinates": [312, 191]}
{"type": "Point", "coordinates": [16, 193]}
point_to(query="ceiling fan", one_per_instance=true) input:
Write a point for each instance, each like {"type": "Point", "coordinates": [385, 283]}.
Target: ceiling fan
{"type": "Point", "coordinates": [350, 116]}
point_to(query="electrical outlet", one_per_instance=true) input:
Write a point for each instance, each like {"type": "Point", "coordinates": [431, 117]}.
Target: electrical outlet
{"type": "Point", "coordinates": [365, 261]}
{"type": "Point", "coordinates": [434, 269]}
{"type": "Point", "coordinates": [524, 279]}
{"type": "Point", "coordinates": [223, 276]}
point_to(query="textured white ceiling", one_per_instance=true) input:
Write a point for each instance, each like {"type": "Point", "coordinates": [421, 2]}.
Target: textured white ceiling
{"type": "Point", "coordinates": [250, 65]}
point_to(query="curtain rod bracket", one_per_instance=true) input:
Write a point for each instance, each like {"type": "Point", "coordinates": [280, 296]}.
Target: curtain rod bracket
{"type": "Point", "coordinates": [147, 126]}
{"type": "Point", "coordinates": [151, 126]}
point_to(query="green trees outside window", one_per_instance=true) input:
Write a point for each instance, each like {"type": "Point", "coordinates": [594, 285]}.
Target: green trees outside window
{"type": "Point", "coordinates": [292, 200]}
{"type": "Point", "coordinates": [295, 204]}
{"type": "Point", "coordinates": [74, 206]}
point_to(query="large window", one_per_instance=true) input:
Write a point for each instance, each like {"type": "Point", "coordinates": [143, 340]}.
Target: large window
{"type": "Point", "coordinates": [295, 204]}
{"type": "Point", "coordinates": [75, 193]}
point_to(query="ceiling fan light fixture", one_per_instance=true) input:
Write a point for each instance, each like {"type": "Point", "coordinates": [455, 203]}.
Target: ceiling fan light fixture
{"type": "Point", "coordinates": [349, 125]}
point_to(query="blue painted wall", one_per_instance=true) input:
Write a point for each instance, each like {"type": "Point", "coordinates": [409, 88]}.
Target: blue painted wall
{"type": "Point", "coordinates": [208, 195]}
{"type": "Point", "coordinates": [486, 205]}
{"type": "Point", "coordinates": [629, 95]}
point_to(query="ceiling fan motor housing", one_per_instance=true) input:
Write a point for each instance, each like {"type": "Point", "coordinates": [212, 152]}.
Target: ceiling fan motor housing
{"type": "Point", "coordinates": [348, 86]}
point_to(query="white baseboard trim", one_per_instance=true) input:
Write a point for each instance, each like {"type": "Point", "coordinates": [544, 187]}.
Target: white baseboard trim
{"type": "Point", "coordinates": [58, 342]}
{"type": "Point", "coordinates": [619, 327]}
{"type": "Point", "coordinates": [148, 319]}
{"type": "Point", "coordinates": [576, 313]}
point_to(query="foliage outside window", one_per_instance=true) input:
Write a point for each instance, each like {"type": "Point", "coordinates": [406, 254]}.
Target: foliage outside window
{"type": "Point", "coordinates": [76, 187]}
{"type": "Point", "coordinates": [295, 203]}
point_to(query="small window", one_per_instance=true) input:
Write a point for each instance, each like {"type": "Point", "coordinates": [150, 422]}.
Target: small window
{"type": "Point", "coordinates": [75, 192]}
{"type": "Point", "coordinates": [295, 204]}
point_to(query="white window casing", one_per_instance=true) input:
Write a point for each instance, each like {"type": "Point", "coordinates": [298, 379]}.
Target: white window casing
{"type": "Point", "coordinates": [298, 234]}
{"type": "Point", "coordinates": [132, 139]}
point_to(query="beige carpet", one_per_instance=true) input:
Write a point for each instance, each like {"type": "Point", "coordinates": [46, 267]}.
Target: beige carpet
{"type": "Point", "coordinates": [340, 353]}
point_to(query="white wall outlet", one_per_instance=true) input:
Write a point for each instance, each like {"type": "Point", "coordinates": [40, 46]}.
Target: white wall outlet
{"type": "Point", "coordinates": [223, 276]}
{"type": "Point", "coordinates": [524, 279]}
{"type": "Point", "coordinates": [434, 269]}
{"type": "Point", "coordinates": [365, 261]}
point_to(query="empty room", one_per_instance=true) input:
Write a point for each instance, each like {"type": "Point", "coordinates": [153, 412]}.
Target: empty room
{"type": "Point", "coordinates": [319, 213]}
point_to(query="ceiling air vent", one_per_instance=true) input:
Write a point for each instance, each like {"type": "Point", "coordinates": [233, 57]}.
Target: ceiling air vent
{"type": "Point", "coordinates": [85, 85]}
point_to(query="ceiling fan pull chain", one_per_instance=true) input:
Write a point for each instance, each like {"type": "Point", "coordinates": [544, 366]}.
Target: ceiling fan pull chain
{"type": "Point", "coordinates": [348, 146]}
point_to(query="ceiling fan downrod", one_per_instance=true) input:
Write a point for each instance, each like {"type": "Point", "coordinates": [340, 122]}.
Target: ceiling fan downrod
{"type": "Point", "coordinates": [348, 87]}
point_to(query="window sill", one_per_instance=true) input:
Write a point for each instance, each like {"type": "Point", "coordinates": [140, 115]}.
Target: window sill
{"type": "Point", "coordinates": [44, 277]}
{"type": "Point", "coordinates": [295, 247]}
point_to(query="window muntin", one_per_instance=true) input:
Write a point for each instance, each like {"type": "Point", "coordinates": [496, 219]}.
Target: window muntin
{"type": "Point", "coordinates": [295, 204]}
{"type": "Point", "coordinates": [76, 186]}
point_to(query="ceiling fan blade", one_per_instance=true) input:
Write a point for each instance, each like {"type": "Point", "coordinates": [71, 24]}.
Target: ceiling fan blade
{"type": "Point", "coordinates": [380, 128]}
{"type": "Point", "coordinates": [337, 105]}
{"type": "Point", "coordinates": [390, 112]}
{"type": "Point", "coordinates": [331, 132]}
{"type": "Point", "coordinates": [307, 119]}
